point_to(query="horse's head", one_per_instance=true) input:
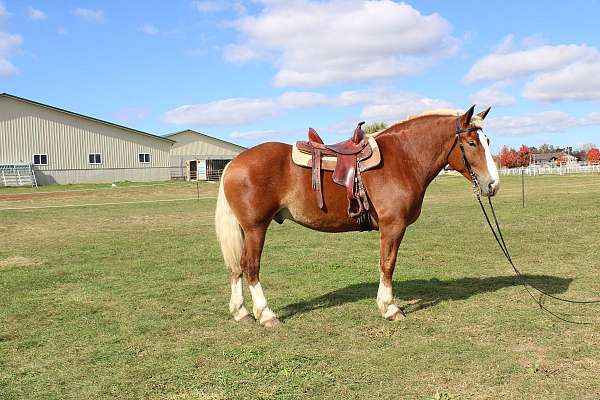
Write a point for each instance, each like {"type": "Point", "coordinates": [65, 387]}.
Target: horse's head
{"type": "Point", "coordinates": [471, 154]}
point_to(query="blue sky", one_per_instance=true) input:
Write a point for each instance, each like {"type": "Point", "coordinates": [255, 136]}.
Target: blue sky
{"type": "Point", "coordinates": [255, 71]}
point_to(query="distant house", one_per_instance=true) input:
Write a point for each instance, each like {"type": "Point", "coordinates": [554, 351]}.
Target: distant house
{"type": "Point", "coordinates": [553, 158]}
{"type": "Point", "coordinates": [196, 156]}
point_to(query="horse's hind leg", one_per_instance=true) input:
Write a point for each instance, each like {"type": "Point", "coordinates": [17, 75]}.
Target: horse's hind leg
{"type": "Point", "coordinates": [254, 240]}
{"type": "Point", "coordinates": [236, 303]}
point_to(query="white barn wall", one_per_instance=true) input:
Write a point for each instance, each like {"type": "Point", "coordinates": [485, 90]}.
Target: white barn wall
{"type": "Point", "coordinates": [27, 129]}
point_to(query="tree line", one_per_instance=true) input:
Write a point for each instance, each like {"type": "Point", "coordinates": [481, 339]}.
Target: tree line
{"type": "Point", "coordinates": [511, 158]}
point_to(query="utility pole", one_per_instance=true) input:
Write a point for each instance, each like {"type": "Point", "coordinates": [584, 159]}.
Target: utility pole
{"type": "Point", "coordinates": [523, 185]}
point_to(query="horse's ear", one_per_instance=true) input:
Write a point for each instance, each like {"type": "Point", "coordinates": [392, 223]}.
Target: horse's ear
{"type": "Point", "coordinates": [484, 113]}
{"type": "Point", "coordinates": [466, 117]}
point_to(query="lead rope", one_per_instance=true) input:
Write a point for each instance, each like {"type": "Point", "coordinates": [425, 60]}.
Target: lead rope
{"type": "Point", "coordinates": [521, 278]}
{"type": "Point", "coordinates": [502, 244]}
{"type": "Point", "coordinates": [519, 272]}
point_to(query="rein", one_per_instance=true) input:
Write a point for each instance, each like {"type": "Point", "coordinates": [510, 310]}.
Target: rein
{"type": "Point", "coordinates": [500, 238]}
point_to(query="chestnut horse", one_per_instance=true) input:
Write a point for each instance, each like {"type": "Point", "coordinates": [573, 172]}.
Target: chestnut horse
{"type": "Point", "coordinates": [262, 184]}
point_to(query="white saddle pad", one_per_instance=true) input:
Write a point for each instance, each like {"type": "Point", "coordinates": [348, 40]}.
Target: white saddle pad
{"type": "Point", "coordinates": [329, 163]}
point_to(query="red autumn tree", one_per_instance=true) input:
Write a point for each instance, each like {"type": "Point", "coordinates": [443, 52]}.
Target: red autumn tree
{"type": "Point", "coordinates": [593, 155]}
{"type": "Point", "coordinates": [524, 156]}
{"type": "Point", "coordinates": [508, 157]}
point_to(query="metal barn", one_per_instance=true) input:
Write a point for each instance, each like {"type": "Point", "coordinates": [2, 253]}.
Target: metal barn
{"type": "Point", "coordinates": [66, 147]}
{"type": "Point", "coordinates": [196, 156]}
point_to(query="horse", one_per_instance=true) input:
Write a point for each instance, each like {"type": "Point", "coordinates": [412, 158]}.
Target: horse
{"type": "Point", "coordinates": [262, 184]}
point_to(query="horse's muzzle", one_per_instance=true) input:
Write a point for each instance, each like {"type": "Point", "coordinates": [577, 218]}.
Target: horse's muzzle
{"type": "Point", "coordinates": [489, 187]}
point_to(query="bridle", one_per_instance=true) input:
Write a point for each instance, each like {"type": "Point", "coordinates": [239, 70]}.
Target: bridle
{"type": "Point", "coordinates": [457, 133]}
{"type": "Point", "coordinates": [500, 238]}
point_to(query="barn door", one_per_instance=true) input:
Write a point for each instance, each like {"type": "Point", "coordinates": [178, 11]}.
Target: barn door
{"type": "Point", "coordinates": [201, 170]}
{"type": "Point", "coordinates": [193, 170]}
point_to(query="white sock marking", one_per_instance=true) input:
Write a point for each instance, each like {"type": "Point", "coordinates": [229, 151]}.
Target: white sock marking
{"type": "Point", "coordinates": [236, 303]}
{"type": "Point", "coordinates": [384, 297]}
{"type": "Point", "coordinates": [259, 307]}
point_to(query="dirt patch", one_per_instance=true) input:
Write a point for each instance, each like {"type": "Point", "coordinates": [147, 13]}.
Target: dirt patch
{"type": "Point", "coordinates": [18, 261]}
{"type": "Point", "coordinates": [42, 195]}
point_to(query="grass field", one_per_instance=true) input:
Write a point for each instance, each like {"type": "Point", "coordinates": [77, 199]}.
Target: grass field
{"type": "Point", "coordinates": [129, 301]}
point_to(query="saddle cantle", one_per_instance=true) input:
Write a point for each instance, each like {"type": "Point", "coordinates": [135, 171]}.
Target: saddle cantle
{"type": "Point", "coordinates": [347, 160]}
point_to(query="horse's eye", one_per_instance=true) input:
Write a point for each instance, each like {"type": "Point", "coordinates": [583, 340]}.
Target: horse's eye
{"type": "Point", "coordinates": [488, 140]}
{"type": "Point", "coordinates": [472, 143]}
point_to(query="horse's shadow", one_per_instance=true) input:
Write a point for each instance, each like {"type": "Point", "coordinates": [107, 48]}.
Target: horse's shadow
{"type": "Point", "coordinates": [422, 293]}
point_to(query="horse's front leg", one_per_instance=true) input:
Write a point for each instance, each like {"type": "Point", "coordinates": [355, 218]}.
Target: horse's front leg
{"type": "Point", "coordinates": [390, 239]}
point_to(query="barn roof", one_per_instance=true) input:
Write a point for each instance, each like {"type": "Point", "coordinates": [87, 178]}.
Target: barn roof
{"type": "Point", "coordinates": [10, 96]}
{"type": "Point", "coordinates": [237, 146]}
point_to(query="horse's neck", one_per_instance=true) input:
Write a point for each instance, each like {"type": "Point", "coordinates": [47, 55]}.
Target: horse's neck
{"type": "Point", "coordinates": [424, 146]}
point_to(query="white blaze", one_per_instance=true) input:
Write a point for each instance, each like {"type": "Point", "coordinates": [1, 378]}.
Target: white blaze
{"type": "Point", "coordinates": [491, 165]}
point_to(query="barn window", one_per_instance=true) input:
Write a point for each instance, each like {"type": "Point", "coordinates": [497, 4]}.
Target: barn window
{"type": "Point", "coordinates": [40, 159]}
{"type": "Point", "coordinates": [144, 157]}
{"type": "Point", "coordinates": [94, 158]}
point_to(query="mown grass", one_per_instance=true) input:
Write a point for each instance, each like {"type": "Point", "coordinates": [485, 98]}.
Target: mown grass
{"type": "Point", "coordinates": [130, 301]}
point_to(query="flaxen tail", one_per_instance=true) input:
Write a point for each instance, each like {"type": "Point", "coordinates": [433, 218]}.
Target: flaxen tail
{"type": "Point", "coordinates": [229, 232]}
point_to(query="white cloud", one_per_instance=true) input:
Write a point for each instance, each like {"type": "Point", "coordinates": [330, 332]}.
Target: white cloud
{"type": "Point", "coordinates": [149, 29]}
{"type": "Point", "coordinates": [579, 81]}
{"type": "Point", "coordinates": [36, 15]}
{"type": "Point", "coordinates": [394, 107]}
{"type": "Point", "coordinates": [543, 122]}
{"type": "Point", "coordinates": [9, 44]}
{"type": "Point", "coordinates": [239, 54]}
{"type": "Point", "coordinates": [522, 63]}
{"type": "Point", "coordinates": [380, 105]}
{"type": "Point", "coordinates": [318, 43]}
{"type": "Point", "coordinates": [555, 73]}
{"type": "Point", "coordinates": [229, 112]}
{"type": "Point", "coordinates": [493, 96]}
{"type": "Point", "coordinates": [89, 15]}
{"type": "Point", "coordinates": [208, 6]}
{"type": "Point", "coordinates": [303, 99]}
{"type": "Point", "coordinates": [506, 45]}
{"type": "Point", "coordinates": [214, 6]}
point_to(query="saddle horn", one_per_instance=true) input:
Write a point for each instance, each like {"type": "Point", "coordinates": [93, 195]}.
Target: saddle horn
{"type": "Point", "coordinates": [359, 135]}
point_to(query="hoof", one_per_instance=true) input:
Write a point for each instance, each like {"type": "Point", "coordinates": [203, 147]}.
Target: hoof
{"type": "Point", "coordinates": [247, 319]}
{"type": "Point", "coordinates": [271, 323]}
{"type": "Point", "coordinates": [399, 315]}
{"type": "Point", "coordinates": [394, 313]}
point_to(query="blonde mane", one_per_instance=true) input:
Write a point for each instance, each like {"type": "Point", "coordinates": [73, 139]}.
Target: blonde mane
{"type": "Point", "coordinates": [476, 120]}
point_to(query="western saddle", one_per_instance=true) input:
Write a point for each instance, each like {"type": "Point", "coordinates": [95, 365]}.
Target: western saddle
{"type": "Point", "coordinates": [349, 154]}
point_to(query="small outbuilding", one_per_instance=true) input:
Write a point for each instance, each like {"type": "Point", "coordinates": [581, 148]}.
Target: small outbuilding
{"type": "Point", "coordinates": [196, 156]}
